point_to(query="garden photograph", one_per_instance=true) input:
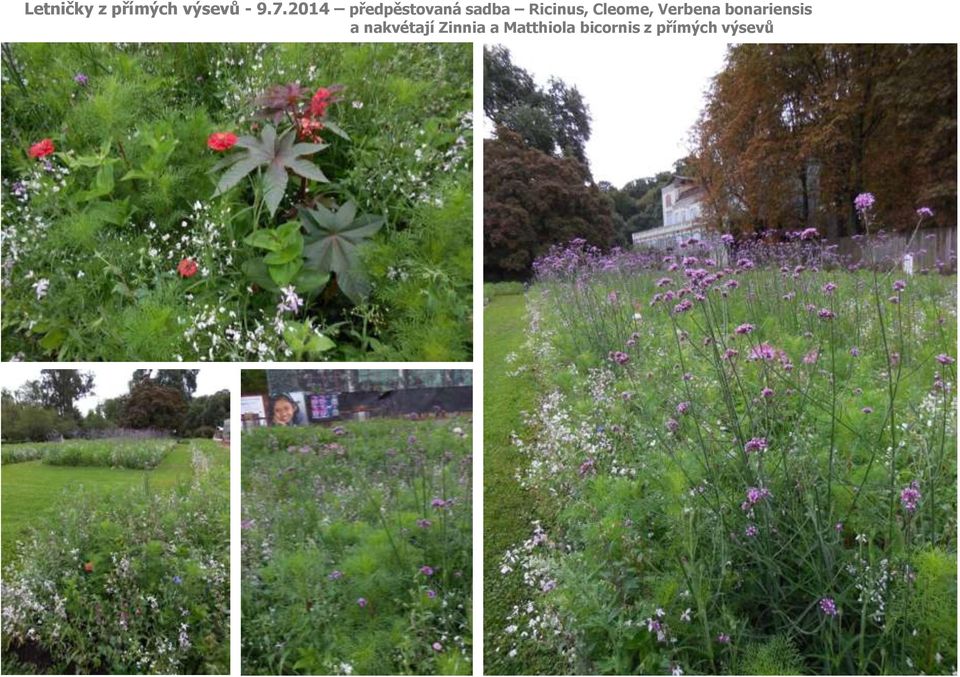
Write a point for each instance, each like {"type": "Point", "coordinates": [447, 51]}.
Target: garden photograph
{"type": "Point", "coordinates": [720, 417]}
{"type": "Point", "coordinates": [357, 522]}
{"type": "Point", "coordinates": [115, 522]}
{"type": "Point", "coordinates": [237, 202]}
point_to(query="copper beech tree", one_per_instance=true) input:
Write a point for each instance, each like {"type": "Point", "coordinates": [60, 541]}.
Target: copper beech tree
{"type": "Point", "coordinates": [532, 200]}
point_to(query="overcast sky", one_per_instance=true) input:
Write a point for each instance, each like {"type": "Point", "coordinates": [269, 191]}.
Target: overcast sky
{"type": "Point", "coordinates": [108, 381]}
{"type": "Point", "coordinates": [644, 98]}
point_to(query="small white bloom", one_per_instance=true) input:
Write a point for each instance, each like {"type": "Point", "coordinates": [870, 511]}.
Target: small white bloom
{"type": "Point", "coordinates": [40, 287]}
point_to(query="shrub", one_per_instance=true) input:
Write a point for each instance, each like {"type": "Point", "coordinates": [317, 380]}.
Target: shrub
{"type": "Point", "coordinates": [20, 453]}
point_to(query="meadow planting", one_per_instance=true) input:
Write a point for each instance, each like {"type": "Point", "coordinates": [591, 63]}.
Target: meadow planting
{"type": "Point", "coordinates": [741, 459]}
{"type": "Point", "coordinates": [357, 549]}
{"type": "Point", "coordinates": [117, 571]}
{"type": "Point", "coordinates": [237, 202]}
{"type": "Point", "coordinates": [116, 453]}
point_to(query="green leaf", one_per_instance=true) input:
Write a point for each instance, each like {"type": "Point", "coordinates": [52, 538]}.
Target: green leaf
{"type": "Point", "coordinates": [284, 273]}
{"type": "Point", "coordinates": [136, 174]}
{"type": "Point", "coordinates": [264, 239]}
{"type": "Point", "coordinates": [53, 338]}
{"type": "Point", "coordinates": [318, 343]}
{"type": "Point", "coordinates": [289, 253]}
{"type": "Point", "coordinates": [309, 281]}
{"type": "Point", "coordinates": [335, 129]}
{"type": "Point", "coordinates": [257, 272]}
{"type": "Point", "coordinates": [333, 240]}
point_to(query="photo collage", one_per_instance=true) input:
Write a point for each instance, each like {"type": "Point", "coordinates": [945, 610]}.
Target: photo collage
{"type": "Point", "coordinates": [477, 358]}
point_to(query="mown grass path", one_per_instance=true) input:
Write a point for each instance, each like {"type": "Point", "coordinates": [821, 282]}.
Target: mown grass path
{"type": "Point", "coordinates": [33, 491]}
{"type": "Point", "coordinates": [507, 509]}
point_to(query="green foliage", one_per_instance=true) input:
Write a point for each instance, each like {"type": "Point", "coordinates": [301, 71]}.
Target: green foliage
{"type": "Point", "coordinates": [425, 277]}
{"type": "Point", "coordinates": [368, 565]}
{"type": "Point", "coordinates": [662, 540]}
{"type": "Point", "coordinates": [275, 154]}
{"type": "Point", "coordinates": [137, 454]}
{"type": "Point", "coordinates": [106, 220]}
{"type": "Point", "coordinates": [334, 238]}
{"type": "Point", "coordinates": [776, 656]}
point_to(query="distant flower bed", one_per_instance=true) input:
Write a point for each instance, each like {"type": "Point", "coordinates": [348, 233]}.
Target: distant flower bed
{"type": "Point", "coordinates": [357, 549]}
{"type": "Point", "coordinates": [118, 453]}
{"type": "Point", "coordinates": [748, 460]}
{"type": "Point", "coordinates": [20, 453]}
{"type": "Point", "coordinates": [128, 583]}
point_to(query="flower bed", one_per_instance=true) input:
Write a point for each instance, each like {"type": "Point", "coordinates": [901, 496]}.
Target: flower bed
{"type": "Point", "coordinates": [357, 549]}
{"type": "Point", "coordinates": [237, 202]}
{"type": "Point", "coordinates": [127, 582]}
{"type": "Point", "coordinates": [746, 463]}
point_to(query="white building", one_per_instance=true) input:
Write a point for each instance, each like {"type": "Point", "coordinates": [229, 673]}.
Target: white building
{"type": "Point", "coordinates": [682, 201]}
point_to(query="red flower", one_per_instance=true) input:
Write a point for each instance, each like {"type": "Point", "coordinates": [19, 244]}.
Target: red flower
{"type": "Point", "coordinates": [187, 267]}
{"type": "Point", "coordinates": [320, 101]}
{"type": "Point", "coordinates": [88, 567]}
{"type": "Point", "coordinates": [41, 148]}
{"type": "Point", "coordinates": [310, 129]}
{"type": "Point", "coordinates": [221, 141]}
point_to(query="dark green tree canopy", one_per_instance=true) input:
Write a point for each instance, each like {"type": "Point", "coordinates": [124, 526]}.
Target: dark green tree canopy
{"type": "Point", "coordinates": [58, 389]}
{"type": "Point", "coordinates": [183, 379]}
{"type": "Point", "coordinates": [555, 120]}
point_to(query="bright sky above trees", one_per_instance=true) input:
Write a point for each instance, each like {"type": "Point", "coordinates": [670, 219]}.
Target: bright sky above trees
{"type": "Point", "coordinates": [644, 99]}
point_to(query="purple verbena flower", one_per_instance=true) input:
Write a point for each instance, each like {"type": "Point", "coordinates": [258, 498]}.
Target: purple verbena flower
{"type": "Point", "coordinates": [755, 444]}
{"type": "Point", "coordinates": [828, 606]}
{"type": "Point", "coordinates": [864, 201]}
{"type": "Point", "coordinates": [335, 575]}
{"type": "Point", "coordinates": [618, 356]}
{"type": "Point", "coordinates": [743, 329]}
{"type": "Point", "coordinates": [910, 496]}
{"type": "Point", "coordinates": [924, 211]}
{"type": "Point", "coordinates": [426, 570]}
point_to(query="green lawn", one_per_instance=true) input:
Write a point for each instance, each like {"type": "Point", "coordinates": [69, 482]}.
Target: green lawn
{"type": "Point", "coordinates": [32, 489]}
{"type": "Point", "coordinates": [507, 509]}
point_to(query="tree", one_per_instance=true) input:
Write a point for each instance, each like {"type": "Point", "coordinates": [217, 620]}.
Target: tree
{"type": "Point", "coordinates": [555, 120]}
{"type": "Point", "coordinates": [208, 410]}
{"type": "Point", "coordinates": [533, 200]}
{"type": "Point", "coordinates": [183, 379]}
{"type": "Point", "coordinates": [58, 389]}
{"type": "Point", "coordinates": [155, 406]}
{"type": "Point", "coordinates": [790, 134]}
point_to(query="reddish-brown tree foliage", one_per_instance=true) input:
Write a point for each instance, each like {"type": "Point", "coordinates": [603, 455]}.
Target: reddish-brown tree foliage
{"type": "Point", "coordinates": [532, 200]}
{"type": "Point", "coordinates": [791, 134]}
